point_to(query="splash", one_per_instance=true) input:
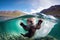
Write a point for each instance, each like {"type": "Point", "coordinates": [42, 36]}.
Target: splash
{"type": "Point", "coordinates": [48, 23]}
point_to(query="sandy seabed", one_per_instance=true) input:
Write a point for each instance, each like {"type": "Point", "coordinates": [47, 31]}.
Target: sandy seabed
{"type": "Point", "coordinates": [20, 37]}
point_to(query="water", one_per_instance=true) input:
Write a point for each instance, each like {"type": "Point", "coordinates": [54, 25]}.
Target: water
{"type": "Point", "coordinates": [49, 26]}
{"type": "Point", "coordinates": [56, 31]}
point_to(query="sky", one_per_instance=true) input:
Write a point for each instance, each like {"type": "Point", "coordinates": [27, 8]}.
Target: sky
{"type": "Point", "coordinates": [28, 6]}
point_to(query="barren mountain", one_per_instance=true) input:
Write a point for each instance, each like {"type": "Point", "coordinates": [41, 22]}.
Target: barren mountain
{"type": "Point", "coordinates": [53, 10]}
{"type": "Point", "coordinates": [11, 13]}
{"type": "Point", "coordinates": [5, 15]}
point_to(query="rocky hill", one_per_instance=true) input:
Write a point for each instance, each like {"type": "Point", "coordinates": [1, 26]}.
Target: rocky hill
{"type": "Point", "coordinates": [11, 13]}
{"type": "Point", "coordinates": [53, 10]}
{"type": "Point", "coordinates": [5, 15]}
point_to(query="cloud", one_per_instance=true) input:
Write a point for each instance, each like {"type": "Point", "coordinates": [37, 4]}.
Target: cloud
{"type": "Point", "coordinates": [36, 10]}
{"type": "Point", "coordinates": [38, 5]}
{"type": "Point", "coordinates": [55, 2]}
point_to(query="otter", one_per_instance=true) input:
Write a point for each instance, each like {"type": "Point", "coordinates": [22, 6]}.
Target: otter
{"type": "Point", "coordinates": [32, 28]}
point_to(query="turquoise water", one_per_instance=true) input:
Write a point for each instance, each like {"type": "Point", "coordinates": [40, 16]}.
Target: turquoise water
{"type": "Point", "coordinates": [13, 27]}
{"type": "Point", "coordinates": [55, 32]}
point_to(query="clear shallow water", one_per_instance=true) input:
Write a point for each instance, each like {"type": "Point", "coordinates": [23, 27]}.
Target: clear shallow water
{"type": "Point", "coordinates": [12, 27]}
{"type": "Point", "coordinates": [47, 27]}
